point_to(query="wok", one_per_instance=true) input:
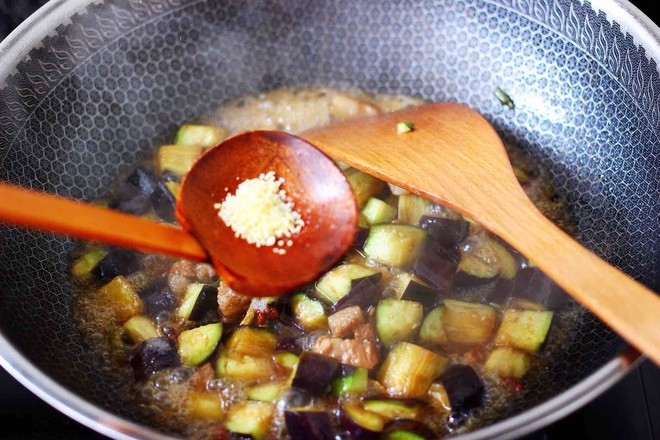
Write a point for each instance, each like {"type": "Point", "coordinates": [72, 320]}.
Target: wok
{"type": "Point", "coordinates": [89, 87]}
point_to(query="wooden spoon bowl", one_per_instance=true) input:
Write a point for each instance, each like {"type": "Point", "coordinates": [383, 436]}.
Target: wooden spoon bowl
{"type": "Point", "coordinates": [317, 187]}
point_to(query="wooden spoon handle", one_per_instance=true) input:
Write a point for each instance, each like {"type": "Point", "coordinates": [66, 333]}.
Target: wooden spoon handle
{"type": "Point", "coordinates": [28, 208]}
{"type": "Point", "coordinates": [626, 306]}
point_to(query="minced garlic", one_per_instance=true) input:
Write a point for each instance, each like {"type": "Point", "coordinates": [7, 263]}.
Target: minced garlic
{"type": "Point", "coordinates": [261, 213]}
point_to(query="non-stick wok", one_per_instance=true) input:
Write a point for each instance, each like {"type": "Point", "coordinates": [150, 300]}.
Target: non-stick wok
{"type": "Point", "coordinates": [89, 87]}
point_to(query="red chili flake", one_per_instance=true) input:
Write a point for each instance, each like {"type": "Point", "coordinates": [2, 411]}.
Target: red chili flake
{"type": "Point", "coordinates": [514, 384]}
{"type": "Point", "coordinates": [273, 313]}
{"type": "Point", "coordinates": [261, 317]}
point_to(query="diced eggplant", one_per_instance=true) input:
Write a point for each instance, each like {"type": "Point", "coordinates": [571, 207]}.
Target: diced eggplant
{"type": "Point", "coordinates": [127, 198]}
{"type": "Point", "coordinates": [524, 304]}
{"type": "Point", "coordinates": [507, 263]}
{"type": "Point", "coordinates": [315, 373]}
{"type": "Point", "coordinates": [432, 331]}
{"type": "Point", "coordinates": [393, 408]}
{"type": "Point", "coordinates": [153, 355]}
{"type": "Point", "coordinates": [439, 398]}
{"type": "Point", "coordinates": [163, 202]}
{"type": "Point", "coordinates": [158, 297]}
{"type": "Point", "coordinates": [533, 285]}
{"type": "Point", "coordinates": [198, 299]}
{"type": "Point", "coordinates": [508, 362]}
{"type": "Point", "coordinates": [140, 328]}
{"type": "Point", "coordinates": [355, 382]}
{"type": "Point", "coordinates": [117, 262]}
{"type": "Point", "coordinates": [467, 322]}
{"type": "Point", "coordinates": [337, 282]}
{"type": "Point", "coordinates": [197, 344]}
{"type": "Point", "coordinates": [174, 187]}
{"type": "Point", "coordinates": [170, 177]}
{"type": "Point", "coordinates": [464, 388]}
{"type": "Point", "coordinates": [473, 271]}
{"type": "Point", "coordinates": [360, 237]}
{"type": "Point", "coordinates": [177, 159]}
{"type": "Point", "coordinates": [395, 245]}
{"type": "Point", "coordinates": [398, 320]}
{"type": "Point", "coordinates": [396, 190]}
{"type": "Point", "coordinates": [288, 344]}
{"type": "Point", "coordinates": [120, 295]}
{"type": "Point", "coordinates": [364, 293]}
{"type": "Point", "coordinates": [402, 435]}
{"type": "Point", "coordinates": [376, 211]}
{"type": "Point", "coordinates": [308, 313]}
{"type": "Point", "coordinates": [409, 369]}
{"type": "Point", "coordinates": [364, 185]}
{"type": "Point", "coordinates": [502, 291]}
{"type": "Point", "coordinates": [286, 360]}
{"type": "Point", "coordinates": [249, 341]}
{"type": "Point", "coordinates": [412, 208]}
{"type": "Point", "coordinates": [361, 423]}
{"type": "Point", "coordinates": [427, 296]}
{"type": "Point", "coordinates": [250, 418]}
{"type": "Point", "coordinates": [144, 180]}
{"type": "Point", "coordinates": [203, 135]}
{"type": "Point", "coordinates": [402, 429]}
{"type": "Point", "coordinates": [308, 425]}
{"type": "Point", "coordinates": [446, 232]}
{"type": "Point", "coordinates": [248, 368]}
{"type": "Point", "coordinates": [82, 268]}
{"type": "Point", "coordinates": [524, 329]}
{"type": "Point", "coordinates": [266, 392]}
{"type": "Point", "coordinates": [203, 405]}
{"type": "Point", "coordinates": [437, 265]}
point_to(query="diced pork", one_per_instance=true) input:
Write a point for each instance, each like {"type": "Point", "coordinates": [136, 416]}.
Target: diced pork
{"type": "Point", "coordinates": [344, 322]}
{"type": "Point", "coordinates": [348, 351]}
{"type": "Point", "coordinates": [183, 272]}
{"type": "Point", "coordinates": [230, 303]}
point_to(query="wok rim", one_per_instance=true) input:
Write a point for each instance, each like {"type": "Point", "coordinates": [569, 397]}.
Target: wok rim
{"type": "Point", "coordinates": [17, 45]}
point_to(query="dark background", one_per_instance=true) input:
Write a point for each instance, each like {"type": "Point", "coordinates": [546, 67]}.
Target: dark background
{"type": "Point", "coordinates": [630, 410]}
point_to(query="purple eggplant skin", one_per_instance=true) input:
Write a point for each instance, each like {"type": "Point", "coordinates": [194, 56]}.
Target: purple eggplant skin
{"type": "Point", "coordinates": [158, 297]}
{"type": "Point", "coordinates": [144, 180]}
{"type": "Point", "coordinates": [206, 301]}
{"type": "Point", "coordinates": [530, 284]}
{"type": "Point", "coordinates": [446, 232]}
{"type": "Point", "coordinates": [308, 425]}
{"type": "Point", "coordinates": [117, 262]}
{"type": "Point", "coordinates": [356, 431]}
{"type": "Point", "coordinates": [315, 373]}
{"type": "Point", "coordinates": [464, 388]}
{"type": "Point", "coordinates": [437, 265]}
{"type": "Point", "coordinates": [128, 198]}
{"type": "Point", "coordinates": [289, 344]}
{"type": "Point", "coordinates": [364, 293]}
{"type": "Point", "coordinates": [427, 296]}
{"type": "Point", "coordinates": [464, 279]}
{"type": "Point", "coordinates": [153, 355]}
{"type": "Point", "coordinates": [163, 202]}
{"type": "Point", "coordinates": [412, 426]}
{"type": "Point", "coordinates": [533, 285]}
{"type": "Point", "coordinates": [360, 237]}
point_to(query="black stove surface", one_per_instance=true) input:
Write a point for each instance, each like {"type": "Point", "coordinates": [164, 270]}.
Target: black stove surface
{"type": "Point", "coordinates": [630, 410]}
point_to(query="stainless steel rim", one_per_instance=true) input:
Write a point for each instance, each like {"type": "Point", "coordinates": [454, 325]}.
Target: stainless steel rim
{"type": "Point", "coordinates": [18, 44]}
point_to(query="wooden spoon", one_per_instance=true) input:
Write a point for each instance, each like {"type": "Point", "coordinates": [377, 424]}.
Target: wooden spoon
{"type": "Point", "coordinates": [313, 182]}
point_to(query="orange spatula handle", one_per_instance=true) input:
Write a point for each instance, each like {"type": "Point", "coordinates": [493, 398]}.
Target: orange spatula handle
{"type": "Point", "coordinates": [32, 209]}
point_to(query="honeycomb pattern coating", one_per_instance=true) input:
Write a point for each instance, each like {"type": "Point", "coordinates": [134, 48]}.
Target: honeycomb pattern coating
{"type": "Point", "coordinates": [109, 87]}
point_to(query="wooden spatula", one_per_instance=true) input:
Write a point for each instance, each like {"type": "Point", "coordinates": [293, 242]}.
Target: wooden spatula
{"type": "Point", "coordinates": [455, 157]}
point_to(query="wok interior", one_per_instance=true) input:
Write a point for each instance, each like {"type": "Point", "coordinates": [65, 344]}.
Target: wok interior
{"type": "Point", "coordinates": [116, 82]}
